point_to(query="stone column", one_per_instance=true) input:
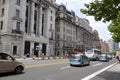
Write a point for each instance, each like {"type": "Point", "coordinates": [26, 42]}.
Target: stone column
{"type": "Point", "coordinates": [31, 49]}
{"type": "Point", "coordinates": [32, 17]}
{"type": "Point", "coordinates": [40, 20]}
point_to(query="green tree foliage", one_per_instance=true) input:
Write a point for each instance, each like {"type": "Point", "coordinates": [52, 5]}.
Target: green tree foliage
{"type": "Point", "coordinates": [106, 10]}
{"type": "Point", "coordinates": [114, 28]}
{"type": "Point", "coordinates": [113, 52]}
{"type": "Point", "coordinates": [102, 9]}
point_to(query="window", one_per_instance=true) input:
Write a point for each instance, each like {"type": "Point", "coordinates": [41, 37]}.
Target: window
{"type": "Point", "coordinates": [51, 11]}
{"type": "Point", "coordinates": [3, 11]}
{"type": "Point", "coordinates": [1, 25]}
{"type": "Point", "coordinates": [14, 50]}
{"type": "Point", "coordinates": [4, 56]}
{"type": "Point", "coordinates": [17, 13]}
{"type": "Point", "coordinates": [51, 18]}
{"type": "Point", "coordinates": [18, 2]}
{"type": "Point", "coordinates": [3, 1]}
{"type": "Point", "coordinates": [18, 26]}
{"type": "Point", "coordinates": [50, 26]}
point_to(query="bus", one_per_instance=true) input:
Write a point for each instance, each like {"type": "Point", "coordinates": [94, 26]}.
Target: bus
{"type": "Point", "coordinates": [93, 54]}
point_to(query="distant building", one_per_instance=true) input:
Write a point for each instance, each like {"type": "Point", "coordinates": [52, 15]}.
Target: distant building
{"type": "Point", "coordinates": [112, 45]}
{"type": "Point", "coordinates": [96, 40]}
{"type": "Point", "coordinates": [72, 32]}
{"type": "Point", "coordinates": [104, 46]}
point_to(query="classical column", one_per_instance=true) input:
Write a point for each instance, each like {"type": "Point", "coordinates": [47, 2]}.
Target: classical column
{"type": "Point", "coordinates": [40, 20]}
{"type": "Point", "coordinates": [31, 48]}
{"type": "Point", "coordinates": [32, 17]}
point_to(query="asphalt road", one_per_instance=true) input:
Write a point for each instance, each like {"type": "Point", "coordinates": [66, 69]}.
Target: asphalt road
{"type": "Point", "coordinates": [55, 70]}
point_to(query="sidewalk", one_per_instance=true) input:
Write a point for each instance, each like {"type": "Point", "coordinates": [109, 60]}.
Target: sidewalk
{"type": "Point", "coordinates": [40, 58]}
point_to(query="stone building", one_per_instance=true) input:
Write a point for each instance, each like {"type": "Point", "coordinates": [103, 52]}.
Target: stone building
{"type": "Point", "coordinates": [72, 33]}
{"type": "Point", "coordinates": [96, 40]}
{"type": "Point", "coordinates": [42, 27]}
{"type": "Point", "coordinates": [104, 46]}
{"type": "Point", "coordinates": [27, 26]}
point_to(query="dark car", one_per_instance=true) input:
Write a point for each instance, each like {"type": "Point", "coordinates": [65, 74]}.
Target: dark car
{"type": "Point", "coordinates": [79, 60]}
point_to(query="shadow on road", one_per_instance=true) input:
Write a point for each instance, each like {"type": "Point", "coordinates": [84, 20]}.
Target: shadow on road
{"type": "Point", "coordinates": [108, 75]}
{"type": "Point", "coordinates": [9, 74]}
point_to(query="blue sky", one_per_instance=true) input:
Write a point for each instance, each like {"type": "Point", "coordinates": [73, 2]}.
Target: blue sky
{"type": "Point", "coordinates": [76, 5]}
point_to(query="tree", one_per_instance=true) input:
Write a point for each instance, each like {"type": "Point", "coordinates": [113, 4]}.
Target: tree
{"type": "Point", "coordinates": [113, 52]}
{"type": "Point", "coordinates": [114, 28]}
{"type": "Point", "coordinates": [106, 10]}
{"type": "Point", "coordinates": [102, 9]}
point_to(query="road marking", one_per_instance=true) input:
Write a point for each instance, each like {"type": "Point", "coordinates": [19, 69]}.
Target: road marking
{"type": "Point", "coordinates": [96, 64]}
{"type": "Point", "coordinates": [40, 65]}
{"type": "Point", "coordinates": [98, 72]}
{"type": "Point", "coordinates": [65, 67]}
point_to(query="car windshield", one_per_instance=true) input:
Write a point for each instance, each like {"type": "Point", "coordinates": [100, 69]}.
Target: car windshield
{"type": "Point", "coordinates": [103, 57]}
{"type": "Point", "coordinates": [76, 57]}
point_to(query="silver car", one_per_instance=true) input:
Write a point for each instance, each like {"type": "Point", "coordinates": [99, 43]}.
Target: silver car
{"type": "Point", "coordinates": [9, 64]}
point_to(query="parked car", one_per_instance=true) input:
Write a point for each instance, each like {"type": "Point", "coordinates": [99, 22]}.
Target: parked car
{"type": "Point", "coordinates": [9, 64]}
{"type": "Point", "coordinates": [79, 60]}
{"type": "Point", "coordinates": [104, 58]}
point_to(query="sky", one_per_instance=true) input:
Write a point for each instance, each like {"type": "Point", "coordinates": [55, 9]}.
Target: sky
{"type": "Point", "coordinates": [76, 5]}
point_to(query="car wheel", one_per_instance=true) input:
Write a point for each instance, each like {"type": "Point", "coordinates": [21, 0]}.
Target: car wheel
{"type": "Point", "coordinates": [82, 64]}
{"type": "Point", "coordinates": [18, 70]}
{"type": "Point", "coordinates": [88, 63]}
{"type": "Point", "coordinates": [71, 65]}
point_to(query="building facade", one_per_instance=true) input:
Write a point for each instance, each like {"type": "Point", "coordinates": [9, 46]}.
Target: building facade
{"type": "Point", "coordinates": [96, 40]}
{"type": "Point", "coordinates": [72, 33]}
{"type": "Point", "coordinates": [104, 46]}
{"type": "Point", "coordinates": [35, 27]}
{"type": "Point", "coordinates": [27, 26]}
{"type": "Point", "coordinates": [112, 45]}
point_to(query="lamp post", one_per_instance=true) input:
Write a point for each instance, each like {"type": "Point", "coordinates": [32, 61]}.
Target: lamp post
{"type": "Point", "coordinates": [39, 48]}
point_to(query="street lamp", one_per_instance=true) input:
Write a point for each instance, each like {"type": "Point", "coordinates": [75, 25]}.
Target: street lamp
{"type": "Point", "coordinates": [39, 48]}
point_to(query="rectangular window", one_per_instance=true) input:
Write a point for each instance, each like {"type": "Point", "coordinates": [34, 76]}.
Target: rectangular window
{"type": "Point", "coordinates": [18, 2]}
{"type": "Point", "coordinates": [17, 12]}
{"type": "Point", "coordinates": [3, 1]}
{"type": "Point", "coordinates": [1, 25]}
{"type": "Point", "coordinates": [51, 18]}
{"type": "Point", "coordinates": [3, 11]}
{"type": "Point", "coordinates": [18, 26]}
{"type": "Point", "coordinates": [14, 50]}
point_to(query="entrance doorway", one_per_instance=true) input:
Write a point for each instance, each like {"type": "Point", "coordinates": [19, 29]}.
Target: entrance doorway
{"type": "Point", "coordinates": [44, 49]}
{"type": "Point", "coordinates": [27, 49]}
{"type": "Point", "coordinates": [35, 49]}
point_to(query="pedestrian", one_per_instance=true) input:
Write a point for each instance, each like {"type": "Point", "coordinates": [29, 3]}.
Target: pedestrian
{"type": "Point", "coordinates": [27, 54]}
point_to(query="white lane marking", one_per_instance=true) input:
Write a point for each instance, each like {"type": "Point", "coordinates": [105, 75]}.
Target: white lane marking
{"type": "Point", "coordinates": [98, 72]}
{"type": "Point", "coordinates": [65, 67]}
{"type": "Point", "coordinates": [97, 64]}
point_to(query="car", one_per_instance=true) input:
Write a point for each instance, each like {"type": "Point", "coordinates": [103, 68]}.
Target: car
{"type": "Point", "coordinates": [10, 64]}
{"type": "Point", "coordinates": [104, 58]}
{"type": "Point", "coordinates": [110, 57]}
{"type": "Point", "coordinates": [79, 60]}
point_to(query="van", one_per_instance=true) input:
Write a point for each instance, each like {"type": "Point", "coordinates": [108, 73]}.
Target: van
{"type": "Point", "coordinates": [9, 64]}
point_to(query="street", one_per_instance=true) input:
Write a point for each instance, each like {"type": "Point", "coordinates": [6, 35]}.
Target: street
{"type": "Point", "coordinates": [56, 70]}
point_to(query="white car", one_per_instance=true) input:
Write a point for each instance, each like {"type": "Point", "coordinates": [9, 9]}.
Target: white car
{"type": "Point", "coordinates": [9, 64]}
